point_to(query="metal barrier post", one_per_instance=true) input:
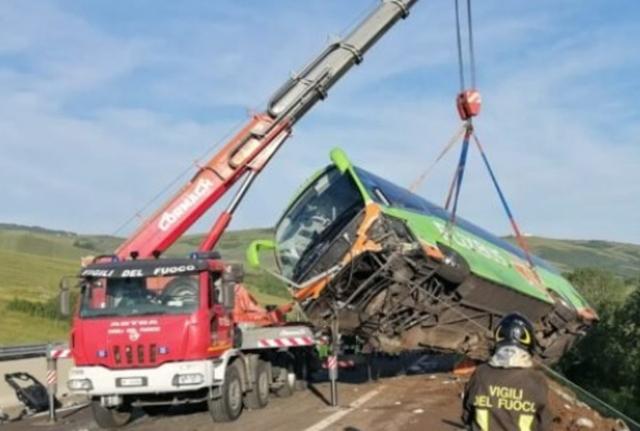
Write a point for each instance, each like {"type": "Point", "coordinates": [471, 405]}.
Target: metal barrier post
{"type": "Point", "coordinates": [332, 362]}
{"type": "Point", "coordinates": [52, 382]}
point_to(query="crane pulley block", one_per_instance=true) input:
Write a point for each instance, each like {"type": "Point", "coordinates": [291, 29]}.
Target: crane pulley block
{"type": "Point", "coordinates": [468, 103]}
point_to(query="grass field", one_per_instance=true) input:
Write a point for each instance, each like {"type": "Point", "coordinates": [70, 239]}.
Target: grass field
{"type": "Point", "coordinates": [622, 259]}
{"type": "Point", "coordinates": [32, 277]}
{"type": "Point", "coordinates": [32, 261]}
{"type": "Point", "coordinates": [20, 328]}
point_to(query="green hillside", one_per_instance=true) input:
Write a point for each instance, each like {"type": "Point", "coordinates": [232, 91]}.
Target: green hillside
{"type": "Point", "coordinates": [620, 258]}
{"type": "Point", "coordinates": [33, 259]}
{"type": "Point", "coordinates": [30, 276]}
{"type": "Point", "coordinates": [67, 245]}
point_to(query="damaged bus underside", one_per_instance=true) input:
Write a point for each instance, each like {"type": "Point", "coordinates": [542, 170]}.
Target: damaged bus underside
{"type": "Point", "coordinates": [398, 299]}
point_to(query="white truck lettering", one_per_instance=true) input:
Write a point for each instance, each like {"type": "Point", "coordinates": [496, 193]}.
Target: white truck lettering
{"type": "Point", "coordinates": [170, 217]}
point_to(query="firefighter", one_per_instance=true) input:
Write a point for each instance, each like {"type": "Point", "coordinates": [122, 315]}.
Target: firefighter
{"type": "Point", "coordinates": [508, 393]}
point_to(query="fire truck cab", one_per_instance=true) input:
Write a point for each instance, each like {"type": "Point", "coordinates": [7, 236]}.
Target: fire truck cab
{"type": "Point", "coordinates": [159, 332]}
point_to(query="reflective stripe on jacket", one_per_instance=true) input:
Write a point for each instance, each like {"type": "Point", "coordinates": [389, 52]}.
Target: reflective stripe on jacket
{"type": "Point", "coordinates": [506, 399]}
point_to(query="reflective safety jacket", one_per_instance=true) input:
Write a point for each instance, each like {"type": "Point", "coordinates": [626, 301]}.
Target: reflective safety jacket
{"type": "Point", "coordinates": [506, 399]}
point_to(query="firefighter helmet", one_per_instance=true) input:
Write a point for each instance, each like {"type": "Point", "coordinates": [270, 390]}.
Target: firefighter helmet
{"type": "Point", "coordinates": [515, 330]}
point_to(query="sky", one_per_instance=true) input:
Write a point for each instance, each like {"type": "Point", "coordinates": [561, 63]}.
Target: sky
{"type": "Point", "coordinates": [104, 104]}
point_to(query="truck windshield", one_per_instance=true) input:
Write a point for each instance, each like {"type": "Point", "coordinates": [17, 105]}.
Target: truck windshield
{"type": "Point", "coordinates": [311, 222]}
{"type": "Point", "coordinates": [103, 297]}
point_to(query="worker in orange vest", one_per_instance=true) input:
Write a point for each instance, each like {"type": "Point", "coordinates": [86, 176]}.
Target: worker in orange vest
{"type": "Point", "coordinates": [508, 393]}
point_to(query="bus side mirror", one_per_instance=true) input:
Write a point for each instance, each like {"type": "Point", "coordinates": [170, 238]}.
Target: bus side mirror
{"type": "Point", "coordinates": [340, 160]}
{"type": "Point", "coordinates": [65, 296]}
{"type": "Point", "coordinates": [229, 296]}
{"type": "Point", "coordinates": [255, 248]}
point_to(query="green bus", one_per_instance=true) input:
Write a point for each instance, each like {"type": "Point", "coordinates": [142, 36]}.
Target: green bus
{"type": "Point", "coordinates": [399, 275]}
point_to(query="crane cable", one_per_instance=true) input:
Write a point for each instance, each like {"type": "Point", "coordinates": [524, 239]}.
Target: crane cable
{"type": "Point", "coordinates": [459, 44]}
{"type": "Point", "coordinates": [454, 190]}
{"type": "Point", "coordinates": [472, 60]}
{"type": "Point", "coordinates": [468, 104]}
{"type": "Point", "coordinates": [461, 72]}
{"type": "Point", "coordinates": [452, 142]}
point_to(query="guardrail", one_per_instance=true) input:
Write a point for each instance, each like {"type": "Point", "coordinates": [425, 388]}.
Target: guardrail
{"type": "Point", "coordinates": [52, 353]}
{"type": "Point", "coordinates": [22, 352]}
{"type": "Point", "coordinates": [594, 402]}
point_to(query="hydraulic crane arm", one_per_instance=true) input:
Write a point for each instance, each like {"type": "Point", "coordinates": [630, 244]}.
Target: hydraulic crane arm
{"type": "Point", "coordinates": [251, 148]}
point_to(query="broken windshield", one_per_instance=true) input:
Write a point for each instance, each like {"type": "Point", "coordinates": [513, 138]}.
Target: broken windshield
{"type": "Point", "coordinates": [324, 207]}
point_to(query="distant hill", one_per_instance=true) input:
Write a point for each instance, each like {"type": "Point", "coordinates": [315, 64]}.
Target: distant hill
{"type": "Point", "coordinates": [37, 229]}
{"type": "Point", "coordinates": [40, 241]}
{"type": "Point", "coordinates": [620, 258]}
{"type": "Point", "coordinates": [33, 259]}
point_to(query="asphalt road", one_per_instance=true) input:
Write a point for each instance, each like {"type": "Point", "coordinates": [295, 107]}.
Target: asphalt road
{"type": "Point", "coordinates": [408, 403]}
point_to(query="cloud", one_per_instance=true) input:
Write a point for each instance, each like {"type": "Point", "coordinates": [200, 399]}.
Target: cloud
{"type": "Point", "coordinates": [100, 109]}
{"type": "Point", "coordinates": [59, 55]}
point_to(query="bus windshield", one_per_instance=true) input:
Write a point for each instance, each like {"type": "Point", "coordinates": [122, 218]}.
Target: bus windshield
{"type": "Point", "coordinates": [308, 225]}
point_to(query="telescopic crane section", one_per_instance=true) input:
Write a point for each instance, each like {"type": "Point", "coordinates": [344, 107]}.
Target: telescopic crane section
{"type": "Point", "coordinates": [252, 147]}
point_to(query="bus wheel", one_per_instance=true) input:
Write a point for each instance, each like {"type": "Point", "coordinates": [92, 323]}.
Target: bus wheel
{"type": "Point", "coordinates": [228, 406]}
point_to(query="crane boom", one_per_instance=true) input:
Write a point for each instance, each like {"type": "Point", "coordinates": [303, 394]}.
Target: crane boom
{"type": "Point", "coordinates": [244, 156]}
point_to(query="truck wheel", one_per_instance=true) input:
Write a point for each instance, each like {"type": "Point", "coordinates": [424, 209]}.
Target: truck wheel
{"type": "Point", "coordinates": [288, 378]}
{"type": "Point", "coordinates": [301, 365]}
{"type": "Point", "coordinates": [301, 385]}
{"type": "Point", "coordinates": [110, 417]}
{"type": "Point", "coordinates": [228, 406]}
{"type": "Point", "coordinates": [258, 397]}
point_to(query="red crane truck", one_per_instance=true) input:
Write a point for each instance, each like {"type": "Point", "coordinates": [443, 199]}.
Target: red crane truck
{"type": "Point", "coordinates": [150, 332]}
